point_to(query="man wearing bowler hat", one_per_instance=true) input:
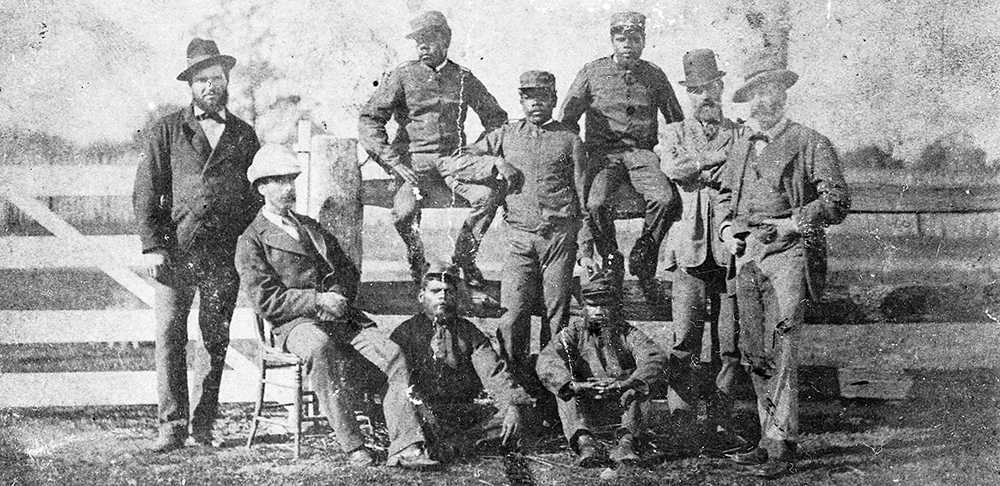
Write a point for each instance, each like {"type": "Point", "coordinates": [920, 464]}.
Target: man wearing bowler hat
{"type": "Point", "coordinates": [298, 278]}
{"type": "Point", "coordinates": [781, 187]}
{"type": "Point", "coordinates": [429, 99]}
{"type": "Point", "coordinates": [192, 200]}
{"type": "Point", "coordinates": [692, 154]}
{"type": "Point", "coordinates": [543, 218]}
{"type": "Point", "coordinates": [621, 95]}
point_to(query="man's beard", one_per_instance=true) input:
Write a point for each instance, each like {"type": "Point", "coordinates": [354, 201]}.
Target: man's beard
{"type": "Point", "coordinates": [768, 114]}
{"type": "Point", "coordinates": [709, 111]}
{"type": "Point", "coordinates": [213, 106]}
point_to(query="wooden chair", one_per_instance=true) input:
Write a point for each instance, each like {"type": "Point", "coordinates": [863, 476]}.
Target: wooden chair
{"type": "Point", "coordinates": [304, 406]}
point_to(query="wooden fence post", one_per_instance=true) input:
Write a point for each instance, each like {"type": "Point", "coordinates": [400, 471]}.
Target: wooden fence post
{"type": "Point", "coordinates": [335, 191]}
{"type": "Point", "coordinates": [303, 184]}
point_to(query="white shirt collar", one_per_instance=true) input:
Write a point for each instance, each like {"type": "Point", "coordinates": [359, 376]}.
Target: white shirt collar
{"type": "Point", "coordinates": [198, 112]}
{"type": "Point", "coordinates": [280, 222]}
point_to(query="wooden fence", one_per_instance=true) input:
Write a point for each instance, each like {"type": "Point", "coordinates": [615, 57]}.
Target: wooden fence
{"type": "Point", "coordinates": [332, 190]}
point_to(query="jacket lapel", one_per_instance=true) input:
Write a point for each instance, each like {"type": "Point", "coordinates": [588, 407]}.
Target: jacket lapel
{"type": "Point", "coordinates": [275, 237]}
{"type": "Point", "coordinates": [227, 143]}
{"type": "Point", "coordinates": [196, 135]}
{"type": "Point", "coordinates": [781, 151]}
{"type": "Point", "coordinates": [319, 243]}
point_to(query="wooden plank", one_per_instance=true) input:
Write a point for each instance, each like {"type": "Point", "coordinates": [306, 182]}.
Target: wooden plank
{"type": "Point", "coordinates": [884, 384]}
{"type": "Point", "coordinates": [113, 325]}
{"type": "Point", "coordinates": [103, 388]}
{"type": "Point", "coordinates": [872, 197]}
{"type": "Point", "coordinates": [65, 180]}
{"type": "Point", "coordinates": [75, 242]}
{"type": "Point", "coordinates": [868, 197]}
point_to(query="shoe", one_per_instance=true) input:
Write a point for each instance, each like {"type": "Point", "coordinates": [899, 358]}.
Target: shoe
{"type": "Point", "coordinates": [361, 458]}
{"type": "Point", "coordinates": [588, 455]}
{"type": "Point", "coordinates": [624, 454]}
{"type": "Point", "coordinates": [413, 457]}
{"type": "Point", "coordinates": [165, 443]}
{"type": "Point", "coordinates": [205, 440]}
{"type": "Point", "coordinates": [473, 276]}
{"type": "Point", "coordinates": [773, 469]}
{"type": "Point", "coordinates": [642, 259]}
{"type": "Point", "coordinates": [755, 457]}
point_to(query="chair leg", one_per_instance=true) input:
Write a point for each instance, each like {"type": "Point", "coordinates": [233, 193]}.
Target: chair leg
{"type": "Point", "coordinates": [259, 406]}
{"type": "Point", "coordinates": [297, 409]}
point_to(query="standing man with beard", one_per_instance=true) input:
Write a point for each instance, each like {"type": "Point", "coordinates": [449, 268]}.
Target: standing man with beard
{"type": "Point", "coordinates": [429, 99]}
{"type": "Point", "coordinates": [621, 95]}
{"type": "Point", "coordinates": [297, 276]}
{"type": "Point", "coordinates": [693, 154]}
{"type": "Point", "coordinates": [452, 363]}
{"type": "Point", "coordinates": [192, 200]}
{"type": "Point", "coordinates": [781, 187]}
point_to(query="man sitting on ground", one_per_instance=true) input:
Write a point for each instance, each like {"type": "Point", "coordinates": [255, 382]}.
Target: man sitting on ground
{"type": "Point", "coordinates": [600, 367]}
{"type": "Point", "coordinates": [451, 361]}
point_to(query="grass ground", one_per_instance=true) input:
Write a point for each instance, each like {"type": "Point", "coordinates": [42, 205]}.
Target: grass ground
{"type": "Point", "coordinates": [948, 440]}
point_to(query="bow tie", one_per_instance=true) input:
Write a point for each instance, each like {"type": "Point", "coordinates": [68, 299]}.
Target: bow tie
{"type": "Point", "coordinates": [216, 117]}
{"type": "Point", "coordinates": [760, 137]}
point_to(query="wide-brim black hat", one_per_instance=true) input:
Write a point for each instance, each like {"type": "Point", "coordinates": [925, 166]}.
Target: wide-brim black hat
{"type": "Point", "coordinates": [202, 53]}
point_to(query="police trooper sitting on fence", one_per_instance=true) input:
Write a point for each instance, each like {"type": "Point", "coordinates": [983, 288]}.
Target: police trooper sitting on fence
{"type": "Point", "coordinates": [298, 277]}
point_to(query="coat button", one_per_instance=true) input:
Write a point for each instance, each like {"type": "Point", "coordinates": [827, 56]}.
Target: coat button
{"type": "Point", "coordinates": [630, 110]}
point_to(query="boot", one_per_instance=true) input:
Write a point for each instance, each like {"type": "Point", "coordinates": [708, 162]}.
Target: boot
{"type": "Point", "coordinates": [588, 453]}
{"type": "Point", "coordinates": [624, 454]}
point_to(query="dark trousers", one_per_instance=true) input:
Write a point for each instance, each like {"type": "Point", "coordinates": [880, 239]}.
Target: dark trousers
{"type": "Point", "coordinates": [538, 270]}
{"type": "Point", "coordinates": [328, 349]}
{"type": "Point", "coordinates": [456, 429]}
{"type": "Point", "coordinates": [641, 168]}
{"type": "Point", "coordinates": [483, 199]}
{"type": "Point", "coordinates": [699, 296]}
{"type": "Point", "coordinates": [580, 415]}
{"type": "Point", "coordinates": [209, 270]}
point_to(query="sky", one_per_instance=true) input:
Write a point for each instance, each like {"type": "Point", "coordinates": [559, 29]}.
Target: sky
{"type": "Point", "coordinates": [894, 74]}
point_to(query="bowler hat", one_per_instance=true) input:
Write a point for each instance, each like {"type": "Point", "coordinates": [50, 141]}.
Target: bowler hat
{"type": "Point", "coordinates": [623, 22]}
{"type": "Point", "coordinates": [272, 160]}
{"type": "Point", "coordinates": [538, 79]}
{"type": "Point", "coordinates": [763, 70]}
{"type": "Point", "coordinates": [700, 68]}
{"type": "Point", "coordinates": [202, 53]}
{"type": "Point", "coordinates": [428, 21]}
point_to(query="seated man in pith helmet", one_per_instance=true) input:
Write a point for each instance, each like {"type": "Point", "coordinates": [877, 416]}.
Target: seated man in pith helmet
{"type": "Point", "coordinates": [297, 276]}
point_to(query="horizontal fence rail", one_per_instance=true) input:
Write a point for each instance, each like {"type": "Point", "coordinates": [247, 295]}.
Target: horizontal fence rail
{"type": "Point", "coordinates": [875, 368]}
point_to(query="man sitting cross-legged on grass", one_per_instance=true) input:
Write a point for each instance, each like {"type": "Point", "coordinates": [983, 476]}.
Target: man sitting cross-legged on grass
{"type": "Point", "coordinates": [298, 278]}
{"type": "Point", "coordinates": [451, 362]}
{"type": "Point", "coordinates": [601, 367]}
